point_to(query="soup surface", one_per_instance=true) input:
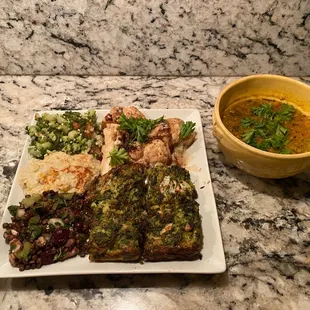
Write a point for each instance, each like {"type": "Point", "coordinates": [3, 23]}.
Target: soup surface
{"type": "Point", "coordinates": [269, 125]}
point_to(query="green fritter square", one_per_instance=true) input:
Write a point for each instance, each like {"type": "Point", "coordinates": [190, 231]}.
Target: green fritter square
{"type": "Point", "coordinates": [120, 181]}
{"type": "Point", "coordinates": [116, 237]}
{"type": "Point", "coordinates": [169, 184]}
{"type": "Point", "coordinates": [173, 232]}
{"type": "Point", "coordinates": [122, 187]}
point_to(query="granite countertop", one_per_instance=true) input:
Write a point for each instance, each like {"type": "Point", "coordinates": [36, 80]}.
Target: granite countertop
{"type": "Point", "coordinates": [265, 223]}
{"type": "Point", "coordinates": [154, 37]}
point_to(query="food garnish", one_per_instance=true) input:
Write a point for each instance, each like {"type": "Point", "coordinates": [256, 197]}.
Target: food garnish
{"type": "Point", "coordinates": [266, 128]}
{"type": "Point", "coordinates": [70, 132]}
{"type": "Point", "coordinates": [186, 129]}
{"type": "Point", "coordinates": [118, 156]}
{"type": "Point", "coordinates": [138, 128]}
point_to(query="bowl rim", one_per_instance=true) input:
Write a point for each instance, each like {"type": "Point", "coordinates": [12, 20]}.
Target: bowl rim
{"type": "Point", "coordinates": [217, 117]}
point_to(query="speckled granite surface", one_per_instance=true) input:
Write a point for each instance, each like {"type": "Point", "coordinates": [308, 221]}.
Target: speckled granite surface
{"type": "Point", "coordinates": [155, 37]}
{"type": "Point", "coordinates": [265, 223]}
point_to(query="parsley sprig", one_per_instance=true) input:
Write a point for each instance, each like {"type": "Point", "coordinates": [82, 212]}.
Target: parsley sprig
{"type": "Point", "coordinates": [118, 156]}
{"type": "Point", "coordinates": [266, 129]}
{"type": "Point", "coordinates": [138, 128]}
{"type": "Point", "coordinates": [186, 129]}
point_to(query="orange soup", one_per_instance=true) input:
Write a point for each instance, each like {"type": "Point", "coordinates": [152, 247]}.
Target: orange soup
{"type": "Point", "coordinates": [269, 125]}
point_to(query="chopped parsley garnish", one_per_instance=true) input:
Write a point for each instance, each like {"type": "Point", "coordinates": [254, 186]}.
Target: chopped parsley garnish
{"type": "Point", "coordinates": [138, 128]}
{"type": "Point", "coordinates": [248, 136]}
{"type": "Point", "coordinates": [266, 130]}
{"type": "Point", "coordinates": [264, 110]}
{"type": "Point", "coordinates": [186, 129]}
{"type": "Point", "coordinates": [247, 122]}
{"type": "Point", "coordinates": [118, 156]}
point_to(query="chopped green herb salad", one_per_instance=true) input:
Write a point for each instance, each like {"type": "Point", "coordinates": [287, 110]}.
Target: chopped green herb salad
{"type": "Point", "coordinates": [71, 132]}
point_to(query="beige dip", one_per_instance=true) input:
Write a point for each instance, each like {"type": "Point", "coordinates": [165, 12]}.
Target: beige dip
{"type": "Point", "coordinates": [59, 172]}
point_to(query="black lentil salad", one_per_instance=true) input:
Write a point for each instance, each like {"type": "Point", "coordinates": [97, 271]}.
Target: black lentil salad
{"type": "Point", "coordinates": [46, 229]}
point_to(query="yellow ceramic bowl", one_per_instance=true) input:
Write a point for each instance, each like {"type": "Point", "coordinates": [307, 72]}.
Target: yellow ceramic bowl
{"type": "Point", "coordinates": [253, 161]}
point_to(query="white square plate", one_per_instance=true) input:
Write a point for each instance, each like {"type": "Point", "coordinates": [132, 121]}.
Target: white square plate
{"type": "Point", "coordinates": [213, 260]}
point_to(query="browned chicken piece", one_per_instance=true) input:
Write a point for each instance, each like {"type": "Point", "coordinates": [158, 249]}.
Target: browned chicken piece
{"type": "Point", "coordinates": [189, 140]}
{"type": "Point", "coordinates": [175, 125]}
{"type": "Point", "coordinates": [155, 151]}
{"type": "Point", "coordinates": [136, 151]}
{"type": "Point", "coordinates": [164, 144]}
{"type": "Point", "coordinates": [162, 132]}
{"type": "Point", "coordinates": [164, 139]}
{"type": "Point", "coordinates": [112, 137]}
{"type": "Point", "coordinates": [132, 112]}
{"type": "Point", "coordinates": [175, 129]}
{"type": "Point", "coordinates": [116, 112]}
{"type": "Point", "coordinates": [179, 145]}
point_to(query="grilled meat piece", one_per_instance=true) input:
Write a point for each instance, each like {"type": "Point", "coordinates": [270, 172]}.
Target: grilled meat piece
{"type": "Point", "coordinates": [116, 113]}
{"type": "Point", "coordinates": [174, 125]}
{"type": "Point", "coordinates": [155, 151]}
{"type": "Point", "coordinates": [135, 151]}
{"type": "Point", "coordinates": [162, 132]}
{"type": "Point", "coordinates": [175, 129]}
{"type": "Point", "coordinates": [179, 145]}
{"type": "Point", "coordinates": [112, 137]}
